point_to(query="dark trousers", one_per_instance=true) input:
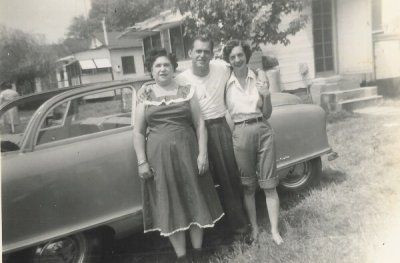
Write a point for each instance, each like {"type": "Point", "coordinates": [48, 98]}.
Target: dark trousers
{"type": "Point", "coordinates": [225, 173]}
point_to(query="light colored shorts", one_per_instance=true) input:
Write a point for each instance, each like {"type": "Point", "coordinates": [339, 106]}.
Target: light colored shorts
{"type": "Point", "coordinates": [254, 148]}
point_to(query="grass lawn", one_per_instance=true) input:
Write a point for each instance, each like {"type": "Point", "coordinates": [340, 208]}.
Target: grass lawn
{"type": "Point", "coordinates": [353, 213]}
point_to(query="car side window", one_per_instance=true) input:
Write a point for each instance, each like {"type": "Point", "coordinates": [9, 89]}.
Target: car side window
{"type": "Point", "coordinates": [57, 116]}
{"type": "Point", "coordinates": [14, 121]}
{"type": "Point", "coordinates": [89, 113]}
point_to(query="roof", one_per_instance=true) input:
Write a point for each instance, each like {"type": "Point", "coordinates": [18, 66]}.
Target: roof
{"type": "Point", "coordinates": [115, 42]}
{"type": "Point", "coordinates": [165, 19]}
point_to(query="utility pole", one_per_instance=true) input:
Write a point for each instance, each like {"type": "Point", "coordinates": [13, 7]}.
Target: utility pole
{"type": "Point", "coordinates": [103, 22]}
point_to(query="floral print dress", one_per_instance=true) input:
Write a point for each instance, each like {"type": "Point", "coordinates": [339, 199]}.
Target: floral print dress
{"type": "Point", "coordinates": [177, 196]}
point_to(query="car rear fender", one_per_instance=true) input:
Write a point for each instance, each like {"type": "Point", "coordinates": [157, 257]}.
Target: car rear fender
{"type": "Point", "coordinates": [300, 133]}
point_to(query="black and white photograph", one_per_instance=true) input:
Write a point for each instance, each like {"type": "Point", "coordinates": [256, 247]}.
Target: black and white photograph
{"type": "Point", "coordinates": [191, 131]}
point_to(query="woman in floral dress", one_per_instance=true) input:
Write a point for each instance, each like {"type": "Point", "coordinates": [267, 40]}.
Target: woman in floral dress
{"type": "Point", "coordinates": [170, 140]}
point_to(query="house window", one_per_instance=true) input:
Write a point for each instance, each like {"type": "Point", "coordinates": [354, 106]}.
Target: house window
{"type": "Point", "coordinates": [179, 42]}
{"type": "Point", "coordinates": [156, 41]}
{"type": "Point", "coordinates": [103, 70]}
{"type": "Point", "coordinates": [144, 63]}
{"type": "Point", "coordinates": [88, 71]}
{"type": "Point", "coordinates": [128, 65]}
{"type": "Point", "coordinates": [151, 42]}
{"type": "Point", "coordinates": [322, 32]}
{"type": "Point", "coordinates": [376, 15]}
{"type": "Point", "coordinates": [61, 75]}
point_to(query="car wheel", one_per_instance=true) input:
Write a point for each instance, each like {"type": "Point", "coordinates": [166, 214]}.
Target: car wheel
{"type": "Point", "coordinates": [78, 248]}
{"type": "Point", "coordinates": [301, 176]}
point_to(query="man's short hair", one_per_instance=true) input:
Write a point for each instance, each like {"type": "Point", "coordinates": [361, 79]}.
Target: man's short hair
{"type": "Point", "coordinates": [203, 37]}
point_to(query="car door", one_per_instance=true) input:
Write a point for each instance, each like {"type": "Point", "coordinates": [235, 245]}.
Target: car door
{"type": "Point", "coordinates": [81, 171]}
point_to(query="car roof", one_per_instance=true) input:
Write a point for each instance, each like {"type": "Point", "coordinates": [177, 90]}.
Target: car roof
{"type": "Point", "coordinates": [45, 95]}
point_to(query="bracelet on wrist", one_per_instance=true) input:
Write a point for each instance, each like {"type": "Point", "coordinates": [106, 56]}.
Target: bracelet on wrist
{"type": "Point", "coordinates": [142, 162]}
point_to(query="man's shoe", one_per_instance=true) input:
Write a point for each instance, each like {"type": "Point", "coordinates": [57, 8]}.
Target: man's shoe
{"type": "Point", "coordinates": [182, 259]}
{"type": "Point", "coordinates": [197, 255]}
{"type": "Point", "coordinates": [248, 239]}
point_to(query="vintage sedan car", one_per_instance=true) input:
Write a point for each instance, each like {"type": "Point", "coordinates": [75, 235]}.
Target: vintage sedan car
{"type": "Point", "coordinates": [69, 169]}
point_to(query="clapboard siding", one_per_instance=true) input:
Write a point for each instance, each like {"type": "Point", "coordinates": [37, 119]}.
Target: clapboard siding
{"type": "Point", "coordinates": [300, 50]}
{"type": "Point", "coordinates": [354, 36]}
{"type": "Point", "coordinates": [387, 55]}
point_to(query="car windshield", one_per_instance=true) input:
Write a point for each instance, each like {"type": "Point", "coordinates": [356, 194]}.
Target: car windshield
{"type": "Point", "coordinates": [14, 121]}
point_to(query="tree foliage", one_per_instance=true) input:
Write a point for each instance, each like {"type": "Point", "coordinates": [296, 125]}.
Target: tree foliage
{"type": "Point", "coordinates": [24, 55]}
{"type": "Point", "coordinates": [118, 14]}
{"type": "Point", "coordinates": [82, 28]}
{"type": "Point", "coordinates": [259, 21]}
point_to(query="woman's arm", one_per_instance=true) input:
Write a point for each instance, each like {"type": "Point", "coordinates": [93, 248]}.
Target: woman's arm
{"type": "Point", "coordinates": [263, 89]}
{"type": "Point", "coordinates": [201, 131]}
{"type": "Point", "coordinates": [139, 141]}
{"type": "Point", "coordinates": [267, 105]}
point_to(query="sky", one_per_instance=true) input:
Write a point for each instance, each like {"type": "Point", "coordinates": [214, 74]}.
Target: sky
{"type": "Point", "coordinates": [48, 17]}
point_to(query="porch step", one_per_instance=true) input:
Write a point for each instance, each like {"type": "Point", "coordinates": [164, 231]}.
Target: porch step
{"type": "Point", "coordinates": [349, 83]}
{"type": "Point", "coordinates": [332, 84]}
{"type": "Point", "coordinates": [336, 86]}
{"type": "Point", "coordinates": [341, 95]}
{"type": "Point", "coordinates": [334, 101]}
{"type": "Point", "coordinates": [353, 104]}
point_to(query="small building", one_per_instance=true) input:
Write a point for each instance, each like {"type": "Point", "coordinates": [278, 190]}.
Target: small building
{"type": "Point", "coordinates": [165, 30]}
{"type": "Point", "coordinates": [107, 58]}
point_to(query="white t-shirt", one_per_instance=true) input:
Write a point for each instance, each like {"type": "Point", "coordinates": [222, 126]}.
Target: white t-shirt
{"type": "Point", "coordinates": [8, 95]}
{"type": "Point", "coordinates": [209, 89]}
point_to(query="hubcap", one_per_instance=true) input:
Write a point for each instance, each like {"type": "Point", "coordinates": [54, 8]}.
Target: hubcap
{"type": "Point", "coordinates": [297, 175]}
{"type": "Point", "coordinates": [65, 250]}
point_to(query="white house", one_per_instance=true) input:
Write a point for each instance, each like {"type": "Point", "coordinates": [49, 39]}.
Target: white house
{"type": "Point", "coordinates": [339, 48]}
{"type": "Point", "coordinates": [386, 42]}
{"type": "Point", "coordinates": [108, 58]}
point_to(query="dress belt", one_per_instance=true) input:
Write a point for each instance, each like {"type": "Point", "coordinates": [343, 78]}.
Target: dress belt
{"type": "Point", "coordinates": [216, 120]}
{"type": "Point", "coordinates": [249, 121]}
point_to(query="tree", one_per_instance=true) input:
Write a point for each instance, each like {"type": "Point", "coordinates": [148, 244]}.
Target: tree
{"type": "Point", "coordinates": [72, 45]}
{"type": "Point", "coordinates": [82, 28]}
{"type": "Point", "coordinates": [256, 20]}
{"type": "Point", "coordinates": [119, 14]}
{"type": "Point", "coordinates": [24, 56]}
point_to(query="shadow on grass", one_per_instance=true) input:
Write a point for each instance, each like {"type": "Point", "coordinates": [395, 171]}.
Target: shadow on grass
{"type": "Point", "coordinates": [291, 199]}
{"type": "Point", "coordinates": [328, 176]}
{"type": "Point", "coordinates": [150, 247]}
{"type": "Point", "coordinates": [340, 116]}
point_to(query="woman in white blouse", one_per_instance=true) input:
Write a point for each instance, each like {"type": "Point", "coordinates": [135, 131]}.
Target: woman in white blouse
{"type": "Point", "coordinates": [249, 104]}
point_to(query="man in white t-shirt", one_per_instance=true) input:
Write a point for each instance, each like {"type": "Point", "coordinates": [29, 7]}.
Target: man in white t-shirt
{"type": "Point", "coordinates": [209, 79]}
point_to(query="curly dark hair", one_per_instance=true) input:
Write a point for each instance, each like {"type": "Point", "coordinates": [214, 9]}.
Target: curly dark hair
{"type": "Point", "coordinates": [159, 52]}
{"type": "Point", "coordinates": [231, 44]}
